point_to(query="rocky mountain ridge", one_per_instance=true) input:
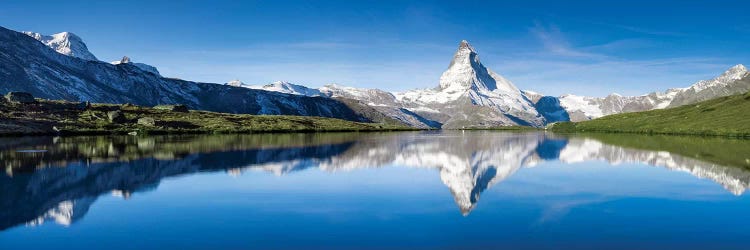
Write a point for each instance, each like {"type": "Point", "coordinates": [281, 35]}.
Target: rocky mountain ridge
{"type": "Point", "coordinates": [29, 65]}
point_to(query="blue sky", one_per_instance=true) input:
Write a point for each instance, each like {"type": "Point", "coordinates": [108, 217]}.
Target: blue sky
{"type": "Point", "coordinates": [586, 47]}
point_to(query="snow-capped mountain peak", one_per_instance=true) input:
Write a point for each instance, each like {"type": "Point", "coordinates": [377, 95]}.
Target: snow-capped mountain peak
{"type": "Point", "coordinates": [467, 72]}
{"type": "Point", "coordinates": [462, 71]}
{"type": "Point", "coordinates": [142, 66]}
{"type": "Point", "coordinates": [464, 45]}
{"type": "Point", "coordinates": [236, 83]}
{"type": "Point", "coordinates": [734, 73]}
{"type": "Point", "coordinates": [125, 59]}
{"type": "Point", "coordinates": [65, 43]}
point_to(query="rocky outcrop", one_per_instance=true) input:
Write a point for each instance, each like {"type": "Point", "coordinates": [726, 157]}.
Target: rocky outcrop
{"type": "Point", "coordinates": [147, 121]}
{"type": "Point", "coordinates": [173, 108]}
{"type": "Point", "coordinates": [19, 97]}
{"type": "Point", "coordinates": [116, 116]}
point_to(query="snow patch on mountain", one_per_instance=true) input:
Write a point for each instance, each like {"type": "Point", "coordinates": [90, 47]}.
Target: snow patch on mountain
{"type": "Point", "coordinates": [65, 43]}
{"type": "Point", "coordinates": [279, 86]}
{"type": "Point", "coordinates": [373, 97]}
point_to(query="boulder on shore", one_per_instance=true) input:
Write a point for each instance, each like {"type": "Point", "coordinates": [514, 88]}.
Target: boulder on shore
{"type": "Point", "coordinates": [174, 108]}
{"type": "Point", "coordinates": [147, 121]}
{"type": "Point", "coordinates": [20, 97]}
{"type": "Point", "coordinates": [116, 117]}
{"type": "Point", "coordinates": [83, 105]}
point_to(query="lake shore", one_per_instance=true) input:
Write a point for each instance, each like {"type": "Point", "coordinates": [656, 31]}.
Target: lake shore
{"type": "Point", "coordinates": [53, 117]}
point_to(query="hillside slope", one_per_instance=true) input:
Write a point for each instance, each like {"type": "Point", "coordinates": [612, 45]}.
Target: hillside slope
{"type": "Point", "coordinates": [728, 116]}
{"type": "Point", "coordinates": [30, 66]}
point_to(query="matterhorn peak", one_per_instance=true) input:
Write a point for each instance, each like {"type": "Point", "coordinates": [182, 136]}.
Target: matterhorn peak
{"type": "Point", "coordinates": [466, 72]}
{"type": "Point", "coordinates": [464, 45]}
{"type": "Point", "coordinates": [465, 55]}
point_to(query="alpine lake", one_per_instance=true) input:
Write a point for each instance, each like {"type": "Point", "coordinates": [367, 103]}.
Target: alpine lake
{"type": "Point", "coordinates": [389, 190]}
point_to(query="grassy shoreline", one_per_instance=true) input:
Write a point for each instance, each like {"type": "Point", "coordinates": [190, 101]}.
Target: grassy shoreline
{"type": "Point", "coordinates": [725, 116]}
{"type": "Point", "coordinates": [52, 117]}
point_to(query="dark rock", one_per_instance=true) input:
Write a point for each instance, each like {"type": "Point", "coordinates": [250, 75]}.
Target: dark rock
{"type": "Point", "coordinates": [20, 97]}
{"type": "Point", "coordinates": [116, 117]}
{"type": "Point", "coordinates": [550, 108]}
{"type": "Point", "coordinates": [147, 121]}
{"type": "Point", "coordinates": [83, 105]}
{"type": "Point", "coordinates": [174, 108]}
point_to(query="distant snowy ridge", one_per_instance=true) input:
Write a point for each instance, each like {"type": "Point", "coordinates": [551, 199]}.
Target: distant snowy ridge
{"type": "Point", "coordinates": [283, 87]}
{"type": "Point", "coordinates": [728, 83]}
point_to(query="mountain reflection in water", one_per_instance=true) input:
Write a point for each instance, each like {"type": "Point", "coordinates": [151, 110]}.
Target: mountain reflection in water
{"type": "Point", "coordinates": [59, 178]}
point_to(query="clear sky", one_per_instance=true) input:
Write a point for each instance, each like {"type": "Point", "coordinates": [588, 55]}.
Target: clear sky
{"type": "Point", "coordinates": [586, 47]}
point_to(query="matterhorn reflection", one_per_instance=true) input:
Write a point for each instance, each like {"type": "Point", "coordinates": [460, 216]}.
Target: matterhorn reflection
{"type": "Point", "coordinates": [58, 179]}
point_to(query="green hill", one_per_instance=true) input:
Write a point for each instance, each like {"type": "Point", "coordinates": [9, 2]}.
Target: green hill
{"type": "Point", "coordinates": [726, 116]}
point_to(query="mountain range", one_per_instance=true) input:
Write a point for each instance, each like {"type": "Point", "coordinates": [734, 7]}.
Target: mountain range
{"type": "Point", "coordinates": [468, 94]}
{"type": "Point", "coordinates": [471, 95]}
{"type": "Point", "coordinates": [62, 69]}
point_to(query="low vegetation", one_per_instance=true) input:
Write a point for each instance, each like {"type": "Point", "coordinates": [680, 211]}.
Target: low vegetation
{"type": "Point", "coordinates": [724, 116]}
{"type": "Point", "coordinates": [62, 117]}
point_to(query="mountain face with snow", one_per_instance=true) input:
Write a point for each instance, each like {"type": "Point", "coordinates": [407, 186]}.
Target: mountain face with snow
{"type": "Point", "coordinates": [735, 80]}
{"type": "Point", "coordinates": [69, 44]}
{"type": "Point", "coordinates": [65, 43]}
{"type": "Point", "coordinates": [31, 66]}
{"type": "Point", "coordinates": [287, 88]}
{"type": "Point", "coordinates": [468, 95]}
{"type": "Point", "coordinates": [471, 95]}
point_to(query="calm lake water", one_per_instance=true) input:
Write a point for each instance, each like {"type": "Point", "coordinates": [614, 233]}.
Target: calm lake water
{"type": "Point", "coordinates": [452, 190]}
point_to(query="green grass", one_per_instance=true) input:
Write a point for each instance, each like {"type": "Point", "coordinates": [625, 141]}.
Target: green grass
{"type": "Point", "coordinates": [724, 116]}
{"type": "Point", "coordinates": [60, 117]}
